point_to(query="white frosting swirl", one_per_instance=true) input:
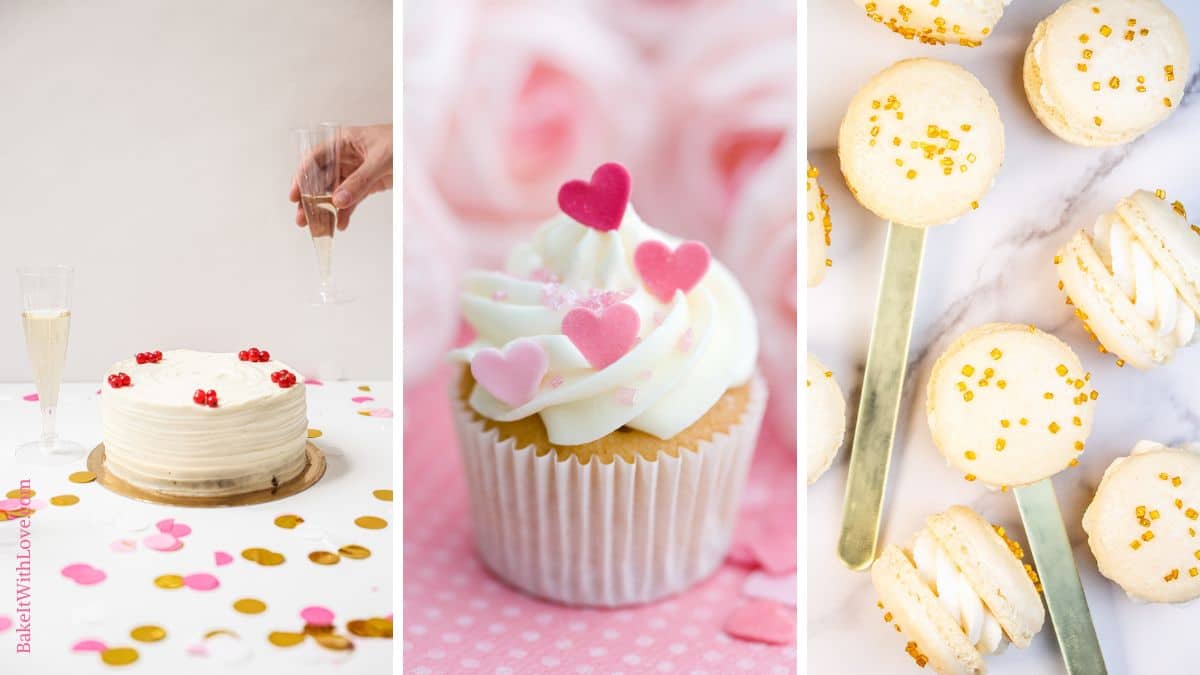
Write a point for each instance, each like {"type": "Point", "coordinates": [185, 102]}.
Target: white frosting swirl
{"type": "Point", "coordinates": [956, 595]}
{"type": "Point", "coordinates": [1145, 284]}
{"type": "Point", "coordinates": [689, 350]}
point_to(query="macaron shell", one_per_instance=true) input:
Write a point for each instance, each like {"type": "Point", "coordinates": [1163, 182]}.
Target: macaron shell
{"type": "Point", "coordinates": [819, 226]}
{"type": "Point", "coordinates": [921, 617]}
{"type": "Point", "coordinates": [1168, 238]}
{"type": "Point", "coordinates": [1105, 309]}
{"type": "Point", "coordinates": [1082, 67]}
{"type": "Point", "coordinates": [1024, 422]}
{"type": "Point", "coordinates": [949, 22]}
{"type": "Point", "coordinates": [921, 143]}
{"type": "Point", "coordinates": [993, 571]}
{"type": "Point", "coordinates": [1160, 569]}
{"type": "Point", "coordinates": [826, 410]}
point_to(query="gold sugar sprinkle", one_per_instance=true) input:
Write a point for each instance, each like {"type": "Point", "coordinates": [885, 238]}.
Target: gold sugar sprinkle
{"type": "Point", "coordinates": [970, 454]}
{"type": "Point", "coordinates": [970, 477]}
{"type": "Point", "coordinates": [1135, 544]}
{"type": "Point", "coordinates": [968, 396]}
{"type": "Point", "coordinates": [996, 354]}
{"type": "Point", "coordinates": [1002, 383]}
{"type": "Point", "coordinates": [317, 433]}
{"type": "Point", "coordinates": [1176, 481]}
{"type": "Point", "coordinates": [1001, 444]}
{"type": "Point", "coordinates": [1147, 535]}
{"type": "Point", "coordinates": [1105, 31]}
{"type": "Point", "coordinates": [1005, 423]}
{"type": "Point", "coordinates": [1048, 395]}
{"type": "Point", "coordinates": [1054, 428]}
{"type": "Point", "coordinates": [968, 370]}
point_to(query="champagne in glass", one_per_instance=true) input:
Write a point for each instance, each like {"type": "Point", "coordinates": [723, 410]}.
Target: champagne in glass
{"type": "Point", "coordinates": [317, 178]}
{"type": "Point", "coordinates": [46, 315]}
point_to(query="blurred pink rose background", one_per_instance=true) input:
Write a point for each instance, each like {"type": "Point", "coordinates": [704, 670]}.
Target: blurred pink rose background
{"type": "Point", "coordinates": [507, 99]}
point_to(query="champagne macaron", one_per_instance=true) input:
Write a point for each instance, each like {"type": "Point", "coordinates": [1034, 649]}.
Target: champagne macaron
{"type": "Point", "coordinates": [1143, 525]}
{"type": "Point", "coordinates": [921, 143]}
{"type": "Point", "coordinates": [938, 22]}
{"type": "Point", "coordinates": [826, 418]}
{"type": "Point", "coordinates": [1103, 72]}
{"type": "Point", "coordinates": [958, 592]}
{"type": "Point", "coordinates": [1135, 279]}
{"type": "Point", "coordinates": [1010, 405]}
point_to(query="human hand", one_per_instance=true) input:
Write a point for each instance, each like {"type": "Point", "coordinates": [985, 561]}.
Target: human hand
{"type": "Point", "coordinates": [364, 168]}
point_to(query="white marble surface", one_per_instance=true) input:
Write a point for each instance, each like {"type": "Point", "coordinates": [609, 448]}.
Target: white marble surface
{"type": "Point", "coordinates": [993, 265]}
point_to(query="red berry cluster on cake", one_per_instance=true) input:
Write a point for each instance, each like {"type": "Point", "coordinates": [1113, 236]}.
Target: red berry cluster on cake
{"type": "Point", "coordinates": [194, 423]}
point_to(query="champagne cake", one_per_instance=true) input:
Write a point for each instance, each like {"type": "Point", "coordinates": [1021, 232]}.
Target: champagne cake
{"type": "Point", "coordinates": [201, 424]}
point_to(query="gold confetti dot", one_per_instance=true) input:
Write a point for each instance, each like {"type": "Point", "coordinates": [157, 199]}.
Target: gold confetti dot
{"type": "Point", "coordinates": [148, 633]}
{"type": "Point", "coordinates": [383, 495]}
{"type": "Point", "coordinates": [82, 477]}
{"type": "Point", "coordinates": [169, 581]}
{"type": "Point", "coordinates": [282, 639]}
{"type": "Point", "coordinates": [288, 521]}
{"type": "Point", "coordinates": [119, 656]}
{"type": "Point", "coordinates": [315, 433]}
{"type": "Point", "coordinates": [355, 552]}
{"type": "Point", "coordinates": [17, 494]}
{"type": "Point", "coordinates": [263, 556]}
{"type": "Point", "coordinates": [250, 606]}
{"type": "Point", "coordinates": [334, 642]}
{"type": "Point", "coordinates": [363, 387]}
{"type": "Point", "coordinates": [220, 631]}
{"type": "Point", "coordinates": [324, 558]}
{"type": "Point", "coordinates": [64, 500]}
{"type": "Point", "coordinates": [370, 522]}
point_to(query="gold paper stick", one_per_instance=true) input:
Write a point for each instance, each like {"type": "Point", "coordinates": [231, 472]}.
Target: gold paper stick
{"type": "Point", "coordinates": [883, 385]}
{"type": "Point", "coordinates": [1060, 580]}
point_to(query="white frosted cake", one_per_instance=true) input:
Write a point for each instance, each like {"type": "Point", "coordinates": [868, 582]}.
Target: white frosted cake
{"type": "Point", "coordinates": [201, 424]}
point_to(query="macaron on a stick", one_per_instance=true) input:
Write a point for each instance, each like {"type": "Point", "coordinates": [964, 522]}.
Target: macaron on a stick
{"type": "Point", "coordinates": [920, 145]}
{"type": "Point", "coordinates": [1010, 405]}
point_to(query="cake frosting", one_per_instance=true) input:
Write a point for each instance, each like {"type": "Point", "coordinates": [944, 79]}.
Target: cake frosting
{"type": "Point", "coordinates": [157, 437]}
{"type": "Point", "coordinates": [955, 593]}
{"type": "Point", "coordinates": [691, 345]}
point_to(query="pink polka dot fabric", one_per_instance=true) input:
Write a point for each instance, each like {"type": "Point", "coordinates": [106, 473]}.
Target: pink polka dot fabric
{"type": "Point", "coordinates": [460, 619]}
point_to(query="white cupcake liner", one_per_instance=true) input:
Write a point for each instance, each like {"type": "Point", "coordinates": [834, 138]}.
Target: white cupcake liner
{"type": "Point", "coordinates": [605, 534]}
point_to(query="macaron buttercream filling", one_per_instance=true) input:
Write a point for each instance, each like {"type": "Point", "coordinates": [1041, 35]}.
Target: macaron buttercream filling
{"type": "Point", "coordinates": [956, 595]}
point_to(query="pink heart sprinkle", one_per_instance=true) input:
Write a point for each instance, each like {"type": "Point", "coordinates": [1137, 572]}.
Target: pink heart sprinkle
{"type": "Point", "coordinates": [599, 204]}
{"type": "Point", "coordinates": [605, 337]}
{"type": "Point", "coordinates": [665, 271]}
{"type": "Point", "coordinates": [684, 345]}
{"type": "Point", "coordinates": [776, 554]}
{"type": "Point", "coordinates": [362, 399]}
{"type": "Point", "coordinates": [514, 375]}
{"type": "Point", "coordinates": [762, 621]}
{"type": "Point", "coordinates": [222, 558]}
{"type": "Point", "coordinates": [89, 646]}
{"type": "Point", "coordinates": [196, 650]}
{"type": "Point", "coordinates": [163, 541]}
{"type": "Point", "coordinates": [5, 623]}
{"type": "Point", "coordinates": [122, 546]}
{"type": "Point", "coordinates": [84, 575]}
{"type": "Point", "coordinates": [30, 397]}
{"type": "Point", "coordinates": [317, 616]}
{"type": "Point", "coordinates": [201, 582]}
{"type": "Point", "coordinates": [381, 412]}
{"type": "Point", "coordinates": [315, 383]}
{"type": "Point", "coordinates": [740, 553]}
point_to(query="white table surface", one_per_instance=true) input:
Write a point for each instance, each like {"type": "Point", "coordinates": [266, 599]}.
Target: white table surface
{"type": "Point", "coordinates": [993, 265]}
{"type": "Point", "coordinates": [358, 451]}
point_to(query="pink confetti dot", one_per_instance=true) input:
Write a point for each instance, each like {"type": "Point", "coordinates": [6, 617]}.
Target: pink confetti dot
{"type": "Point", "coordinates": [222, 558]}
{"type": "Point", "coordinates": [83, 574]}
{"type": "Point", "coordinates": [30, 397]}
{"type": "Point", "coordinates": [762, 621]}
{"type": "Point", "coordinates": [197, 650]}
{"type": "Point", "coordinates": [162, 541]}
{"type": "Point", "coordinates": [312, 382]}
{"type": "Point", "coordinates": [201, 582]}
{"type": "Point", "coordinates": [89, 646]}
{"type": "Point", "coordinates": [5, 623]}
{"type": "Point", "coordinates": [362, 399]}
{"type": "Point", "coordinates": [317, 616]}
{"type": "Point", "coordinates": [169, 526]}
{"type": "Point", "coordinates": [382, 412]}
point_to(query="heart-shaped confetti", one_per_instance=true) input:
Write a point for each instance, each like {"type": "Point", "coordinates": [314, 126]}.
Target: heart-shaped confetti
{"type": "Point", "coordinates": [781, 589]}
{"type": "Point", "coordinates": [30, 397]}
{"type": "Point", "coordinates": [83, 574]}
{"type": "Point", "coordinates": [762, 621]}
{"type": "Point", "coordinates": [514, 375]}
{"type": "Point", "coordinates": [169, 526]}
{"type": "Point", "coordinates": [317, 616]}
{"type": "Point", "coordinates": [122, 546]}
{"type": "Point", "coordinates": [222, 558]}
{"type": "Point", "coordinates": [362, 399]}
{"type": "Point", "coordinates": [665, 271]}
{"type": "Point", "coordinates": [89, 645]}
{"type": "Point", "coordinates": [163, 541]}
{"type": "Point", "coordinates": [201, 582]}
{"type": "Point", "coordinates": [605, 337]}
{"type": "Point", "coordinates": [599, 204]}
{"type": "Point", "coordinates": [5, 623]}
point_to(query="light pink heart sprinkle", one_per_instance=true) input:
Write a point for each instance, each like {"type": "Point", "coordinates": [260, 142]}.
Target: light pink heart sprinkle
{"type": "Point", "coordinates": [5, 623]}
{"type": "Point", "coordinates": [84, 575]}
{"type": "Point", "coordinates": [514, 374]}
{"type": "Point", "coordinates": [222, 558]}
{"type": "Point", "coordinates": [602, 337]}
{"type": "Point", "coordinates": [626, 395]}
{"type": "Point", "coordinates": [163, 541]}
{"type": "Point", "coordinates": [762, 621]}
{"type": "Point", "coordinates": [30, 397]}
{"type": "Point", "coordinates": [382, 412]}
{"type": "Point", "coordinates": [89, 645]}
{"type": "Point", "coordinates": [665, 271]}
{"type": "Point", "coordinates": [317, 615]}
{"type": "Point", "coordinates": [313, 382]}
{"type": "Point", "coordinates": [362, 399]}
{"type": "Point", "coordinates": [684, 345]}
{"type": "Point", "coordinates": [201, 582]}
{"type": "Point", "coordinates": [122, 546]}
{"type": "Point", "coordinates": [556, 381]}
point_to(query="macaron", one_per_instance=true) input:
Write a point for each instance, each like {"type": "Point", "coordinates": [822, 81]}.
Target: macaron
{"type": "Point", "coordinates": [921, 143]}
{"type": "Point", "coordinates": [958, 592]}
{"type": "Point", "coordinates": [826, 416]}
{"type": "Point", "coordinates": [1143, 525]}
{"type": "Point", "coordinates": [1135, 279]}
{"type": "Point", "coordinates": [820, 228]}
{"type": "Point", "coordinates": [1008, 404]}
{"type": "Point", "coordinates": [1103, 72]}
{"type": "Point", "coordinates": [939, 22]}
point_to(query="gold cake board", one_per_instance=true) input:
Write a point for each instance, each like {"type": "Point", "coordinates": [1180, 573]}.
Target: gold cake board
{"type": "Point", "coordinates": [314, 468]}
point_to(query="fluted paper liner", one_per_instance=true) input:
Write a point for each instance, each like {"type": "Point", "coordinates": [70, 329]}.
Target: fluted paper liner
{"type": "Point", "coordinates": [605, 534]}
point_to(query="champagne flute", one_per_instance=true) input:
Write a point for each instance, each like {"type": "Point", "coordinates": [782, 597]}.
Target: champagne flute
{"type": "Point", "coordinates": [317, 178]}
{"type": "Point", "coordinates": [46, 315]}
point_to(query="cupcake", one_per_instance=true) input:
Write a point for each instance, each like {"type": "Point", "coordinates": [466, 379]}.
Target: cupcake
{"type": "Point", "coordinates": [608, 407]}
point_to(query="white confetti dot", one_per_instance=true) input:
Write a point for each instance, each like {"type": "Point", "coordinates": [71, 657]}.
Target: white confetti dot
{"type": "Point", "coordinates": [478, 604]}
{"type": "Point", "coordinates": [465, 620]}
{"type": "Point", "coordinates": [550, 661]}
{"type": "Point", "coordinates": [657, 623]}
{"type": "Point", "coordinates": [517, 653]}
{"type": "Point", "coordinates": [504, 670]}
{"type": "Point", "coordinates": [677, 648]}
{"type": "Point", "coordinates": [510, 611]}
{"type": "Point", "coordinates": [610, 634]}
{"type": "Point", "coordinates": [632, 659]}
{"type": "Point", "coordinates": [469, 663]}
{"type": "Point", "coordinates": [484, 646]}
{"type": "Point", "coordinates": [702, 612]}
{"type": "Point", "coordinates": [543, 618]}
{"type": "Point", "coordinates": [418, 629]}
{"type": "Point", "coordinates": [496, 628]}
{"type": "Point", "coordinates": [451, 638]}
{"type": "Point", "coordinates": [711, 655]}
{"type": "Point", "coordinates": [745, 664]}
{"type": "Point", "coordinates": [644, 641]}
{"type": "Point", "coordinates": [781, 670]}
{"type": "Point", "coordinates": [577, 626]}
{"type": "Point", "coordinates": [433, 612]}
{"type": "Point", "coordinates": [665, 666]}
{"type": "Point", "coordinates": [436, 654]}
{"type": "Point", "coordinates": [584, 669]}
{"type": "Point", "coordinates": [597, 652]}
{"type": "Point", "coordinates": [422, 670]}
{"type": "Point", "coordinates": [563, 644]}
{"type": "Point", "coordinates": [530, 636]}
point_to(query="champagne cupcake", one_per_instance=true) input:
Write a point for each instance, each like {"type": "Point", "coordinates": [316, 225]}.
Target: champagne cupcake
{"type": "Point", "coordinates": [608, 406]}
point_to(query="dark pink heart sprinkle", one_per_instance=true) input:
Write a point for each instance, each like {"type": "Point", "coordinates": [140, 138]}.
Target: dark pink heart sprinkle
{"type": "Point", "coordinates": [222, 558]}
{"type": "Point", "coordinates": [762, 621]}
{"type": "Point", "coordinates": [602, 337]}
{"type": "Point", "coordinates": [665, 271]}
{"type": "Point", "coordinates": [599, 204]}
{"type": "Point", "coordinates": [89, 646]}
{"type": "Point", "coordinates": [514, 375]}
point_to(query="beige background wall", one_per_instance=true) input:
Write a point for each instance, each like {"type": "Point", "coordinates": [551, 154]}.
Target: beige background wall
{"type": "Point", "coordinates": [146, 143]}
